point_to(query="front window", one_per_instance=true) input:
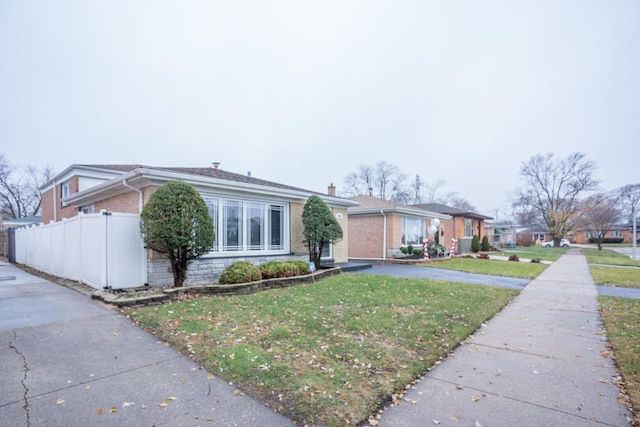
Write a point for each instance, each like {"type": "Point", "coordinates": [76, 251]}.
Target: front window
{"type": "Point", "coordinates": [616, 233]}
{"type": "Point", "coordinates": [412, 230]}
{"type": "Point", "coordinates": [468, 227]}
{"type": "Point", "coordinates": [248, 226]}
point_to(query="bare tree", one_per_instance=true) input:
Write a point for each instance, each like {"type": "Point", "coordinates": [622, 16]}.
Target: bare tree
{"type": "Point", "coordinates": [19, 193]}
{"type": "Point", "coordinates": [600, 212]}
{"type": "Point", "coordinates": [553, 188]}
{"type": "Point", "coordinates": [630, 196]}
{"type": "Point", "coordinates": [433, 193]}
{"type": "Point", "coordinates": [384, 181]}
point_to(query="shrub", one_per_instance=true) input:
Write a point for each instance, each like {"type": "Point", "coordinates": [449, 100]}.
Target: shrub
{"type": "Point", "coordinates": [271, 269]}
{"type": "Point", "coordinates": [483, 255]}
{"type": "Point", "coordinates": [291, 268]}
{"type": "Point", "coordinates": [514, 258]}
{"type": "Point", "coordinates": [418, 252]}
{"type": "Point", "coordinates": [403, 249]}
{"type": "Point", "coordinates": [240, 272]}
{"type": "Point", "coordinates": [486, 246]}
{"type": "Point", "coordinates": [524, 240]}
{"type": "Point", "coordinates": [607, 240]}
{"type": "Point", "coordinates": [410, 249]}
{"type": "Point", "coordinates": [475, 244]}
{"type": "Point", "coordinates": [536, 260]}
{"type": "Point", "coordinates": [294, 268]}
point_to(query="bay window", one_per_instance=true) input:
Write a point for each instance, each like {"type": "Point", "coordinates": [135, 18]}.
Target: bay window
{"type": "Point", "coordinates": [248, 226]}
{"type": "Point", "coordinates": [412, 230]}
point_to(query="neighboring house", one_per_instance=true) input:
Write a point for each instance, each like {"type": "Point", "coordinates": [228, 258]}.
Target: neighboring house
{"type": "Point", "coordinates": [6, 224]}
{"type": "Point", "coordinates": [379, 228]}
{"type": "Point", "coordinates": [254, 219]}
{"type": "Point", "coordinates": [463, 225]}
{"type": "Point", "coordinates": [534, 235]}
{"type": "Point", "coordinates": [617, 231]}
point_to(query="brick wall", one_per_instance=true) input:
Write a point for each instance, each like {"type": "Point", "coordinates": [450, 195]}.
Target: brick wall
{"type": "Point", "coordinates": [365, 236]}
{"type": "Point", "coordinates": [124, 203]}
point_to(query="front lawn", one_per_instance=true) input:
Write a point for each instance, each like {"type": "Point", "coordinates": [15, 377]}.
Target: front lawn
{"type": "Point", "coordinates": [616, 276]}
{"type": "Point", "coordinates": [330, 353]}
{"type": "Point", "coordinates": [524, 270]}
{"type": "Point", "coordinates": [622, 320]}
{"type": "Point", "coordinates": [608, 256]}
{"type": "Point", "coordinates": [547, 254]}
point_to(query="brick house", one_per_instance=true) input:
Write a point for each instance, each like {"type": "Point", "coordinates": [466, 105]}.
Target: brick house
{"type": "Point", "coordinates": [463, 225]}
{"type": "Point", "coordinates": [254, 219]}
{"type": "Point", "coordinates": [379, 228]}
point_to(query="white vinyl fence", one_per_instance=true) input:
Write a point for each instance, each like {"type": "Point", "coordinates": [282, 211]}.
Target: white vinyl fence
{"type": "Point", "coordinates": [103, 250]}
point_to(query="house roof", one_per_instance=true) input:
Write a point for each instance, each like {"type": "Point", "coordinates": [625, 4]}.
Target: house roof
{"type": "Point", "coordinates": [448, 210]}
{"type": "Point", "coordinates": [139, 176]}
{"type": "Point", "coordinates": [373, 205]}
{"type": "Point", "coordinates": [19, 222]}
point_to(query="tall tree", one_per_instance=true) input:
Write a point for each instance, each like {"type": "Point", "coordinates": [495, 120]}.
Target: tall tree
{"type": "Point", "coordinates": [384, 181]}
{"type": "Point", "coordinates": [19, 189]}
{"type": "Point", "coordinates": [320, 227]}
{"type": "Point", "coordinates": [175, 222]}
{"type": "Point", "coordinates": [630, 196]}
{"type": "Point", "coordinates": [553, 187]}
{"type": "Point", "coordinates": [600, 212]}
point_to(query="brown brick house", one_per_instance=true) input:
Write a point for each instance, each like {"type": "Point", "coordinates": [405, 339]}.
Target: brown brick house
{"type": "Point", "coordinates": [379, 228]}
{"type": "Point", "coordinates": [254, 219]}
{"type": "Point", "coordinates": [463, 225]}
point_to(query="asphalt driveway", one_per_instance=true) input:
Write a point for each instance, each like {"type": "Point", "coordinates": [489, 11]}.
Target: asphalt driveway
{"type": "Point", "coordinates": [414, 271]}
{"type": "Point", "coordinates": [66, 360]}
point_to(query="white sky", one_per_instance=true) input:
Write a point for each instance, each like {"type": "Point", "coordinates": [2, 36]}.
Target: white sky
{"type": "Point", "coordinates": [302, 93]}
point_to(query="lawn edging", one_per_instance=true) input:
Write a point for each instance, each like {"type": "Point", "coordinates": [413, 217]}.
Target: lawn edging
{"type": "Point", "coordinates": [122, 300]}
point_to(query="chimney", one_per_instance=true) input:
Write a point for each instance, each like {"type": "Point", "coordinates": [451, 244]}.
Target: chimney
{"type": "Point", "coordinates": [332, 190]}
{"type": "Point", "coordinates": [216, 165]}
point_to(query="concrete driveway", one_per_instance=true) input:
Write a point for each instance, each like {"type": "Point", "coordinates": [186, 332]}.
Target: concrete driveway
{"type": "Point", "coordinates": [68, 361]}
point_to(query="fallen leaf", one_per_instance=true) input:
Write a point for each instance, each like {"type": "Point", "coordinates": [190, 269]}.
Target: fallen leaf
{"type": "Point", "coordinates": [172, 398]}
{"type": "Point", "coordinates": [127, 404]}
{"type": "Point", "coordinates": [144, 407]}
{"type": "Point", "coordinates": [436, 422]}
{"type": "Point", "coordinates": [475, 399]}
{"type": "Point", "coordinates": [90, 375]}
{"type": "Point", "coordinates": [210, 376]}
{"type": "Point", "coordinates": [100, 411]}
{"type": "Point", "coordinates": [59, 401]}
{"type": "Point", "coordinates": [113, 409]}
{"type": "Point", "coordinates": [603, 381]}
{"type": "Point", "coordinates": [163, 404]}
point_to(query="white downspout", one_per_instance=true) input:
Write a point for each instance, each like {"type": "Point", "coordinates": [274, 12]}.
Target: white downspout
{"type": "Point", "coordinates": [144, 272]}
{"type": "Point", "coordinates": [384, 236]}
{"type": "Point", "coordinates": [55, 201]}
{"type": "Point", "coordinates": [141, 199]}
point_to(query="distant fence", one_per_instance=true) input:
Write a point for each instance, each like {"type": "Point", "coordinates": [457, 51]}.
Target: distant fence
{"type": "Point", "coordinates": [103, 250]}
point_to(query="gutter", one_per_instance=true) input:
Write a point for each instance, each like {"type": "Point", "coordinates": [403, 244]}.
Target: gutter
{"type": "Point", "coordinates": [384, 235]}
{"type": "Point", "coordinates": [141, 198]}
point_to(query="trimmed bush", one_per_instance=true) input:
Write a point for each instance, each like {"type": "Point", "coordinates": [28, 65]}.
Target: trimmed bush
{"type": "Point", "coordinates": [240, 272]}
{"type": "Point", "coordinates": [410, 249]}
{"type": "Point", "coordinates": [418, 252]}
{"type": "Point", "coordinates": [607, 240]}
{"type": "Point", "coordinates": [277, 269]}
{"type": "Point", "coordinates": [486, 246]}
{"type": "Point", "coordinates": [514, 258]}
{"type": "Point", "coordinates": [475, 244]}
{"type": "Point", "coordinates": [403, 249]}
{"type": "Point", "coordinates": [536, 260]}
{"type": "Point", "coordinates": [271, 269]}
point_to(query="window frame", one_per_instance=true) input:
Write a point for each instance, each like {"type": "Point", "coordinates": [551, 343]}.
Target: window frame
{"type": "Point", "coordinates": [247, 208]}
{"type": "Point", "coordinates": [468, 226]}
{"type": "Point", "coordinates": [421, 230]}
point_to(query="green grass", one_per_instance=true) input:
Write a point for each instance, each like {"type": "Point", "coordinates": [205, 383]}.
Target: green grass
{"type": "Point", "coordinates": [547, 254]}
{"type": "Point", "coordinates": [608, 256]}
{"type": "Point", "coordinates": [524, 270]}
{"type": "Point", "coordinates": [616, 276]}
{"type": "Point", "coordinates": [330, 353]}
{"type": "Point", "coordinates": [622, 320]}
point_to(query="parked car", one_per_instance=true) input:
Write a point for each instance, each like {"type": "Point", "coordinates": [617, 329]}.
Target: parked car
{"type": "Point", "coordinates": [563, 242]}
{"type": "Point", "coordinates": [509, 243]}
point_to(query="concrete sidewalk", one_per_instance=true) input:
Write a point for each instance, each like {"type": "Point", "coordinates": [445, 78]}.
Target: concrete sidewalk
{"type": "Point", "coordinates": [543, 360]}
{"type": "Point", "coordinates": [68, 361]}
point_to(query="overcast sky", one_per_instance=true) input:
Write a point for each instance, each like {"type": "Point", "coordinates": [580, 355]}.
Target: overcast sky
{"type": "Point", "coordinates": [302, 93]}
